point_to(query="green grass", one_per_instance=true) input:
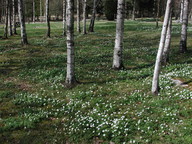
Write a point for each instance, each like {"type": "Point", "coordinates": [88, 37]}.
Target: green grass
{"type": "Point", "coordinates": [109, 105]}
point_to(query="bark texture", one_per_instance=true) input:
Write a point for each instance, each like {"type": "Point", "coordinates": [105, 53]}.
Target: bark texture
{"type": "Point", "coordinates": [165, 58]}
{"type": "Point", "coordinates": [48, 19]}
{"type": "Point", "coordinates": [155, 82]}
{"type": "Point", "coordinates": [21, 10]}
{"type": "Point", "coordinates": [6, 19]}
{"type": "Point", "coordinates": [14, 18]}
{"type": "Point", "coordinates": [64, 17]}
{"type": "Point", "coordinates": [33, 11]}
{"type": "Point", "coordinates": [183, 41]}
{"type": "Point", "coordinates": [10, 18]}
{"type": "Point", "coordinates": [84, 16]}
{"type": "Point", "coordinates": [92, 22]}
{"type": "Point", "coordinates": [70, 77]}
{"type": "Point", "coordinates": [117, 56]}
{"type": "Point", "coordinates": [78, 16]}
{"type": "Point", "coordinates": [133, 12]}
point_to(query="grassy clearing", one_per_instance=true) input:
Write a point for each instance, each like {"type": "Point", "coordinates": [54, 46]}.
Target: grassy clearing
{"type": "Point", "coordinates": [110, 105]}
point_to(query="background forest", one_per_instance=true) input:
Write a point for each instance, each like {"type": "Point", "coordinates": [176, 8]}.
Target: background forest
{"type": "Point", "coordinates": [83, 71]}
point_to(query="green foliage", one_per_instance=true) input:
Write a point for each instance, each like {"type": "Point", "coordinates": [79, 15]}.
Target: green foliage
{"type": "Point", "coordinates": [110, 9]}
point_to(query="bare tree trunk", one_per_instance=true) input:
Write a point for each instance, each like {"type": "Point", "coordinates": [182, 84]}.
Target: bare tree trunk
{"type": "Point", "coordinates": [117, 56]}
{"type": "Point", "coordinates": [84, 17]}
{"type": "Point", "coordinates": [92, 23]}
{"type": "Point", "coordinates": [6, 19]}
{"type": "Point", "coordinates": [181, 11]}
{"type": "Point", "coordinates": [133, 12]}
{"type": "Point", "coordinates": [41, 13]}
{"type": "Point", "coordinates": [70, 77]}
{"type": "Point", "coordinates": [183, 41]}
{"type": "Point", "coordinates": [33, 11]}
{"type": "Point", "coordinates": [155, 83]}
{"type": "Point", "coordinates": [48, 19]}
{"type": "Point", "coordinates": [64, 17]}
{"type": "Point", "coordinates": [21, 10]}
{"type": "Point", "coordinates": [14, 17]}
{"type": "Point", "coordinates": [165, 57]}
{"type": "Point", "coordinates": [78, 17]}
{"type": "Point", "coordinates": [10, 19]}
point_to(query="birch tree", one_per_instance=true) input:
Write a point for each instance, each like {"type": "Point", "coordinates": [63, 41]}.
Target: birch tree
{"type": "Point", "coordinates": [70, 77]}
{"type": "Point", "coordinates": [183, 41]}
{"type": "Point", "coordinates": [134, 7]}
{"type": "Point", "coordinates": [14, 17]}
{"type": "Point", "coordinates": [92, 22]}
{"type": "Point", "coordinates": [33, 11]}
{"type": "Point", "coordinates": [48, 19]}
{"type": "Point", "coordinates": [84, 16]}
{"type": "Point", "coordinates": [78, 16]}
{"type": "Point", "coordinates": [117, 56]}
{"type": "Point", "coordinates": [64, 17]}
{"type": "Point", "coordinates": [155, 82]}
{"type": "Point", "coordinates": [10, 18]}
{"type": "Point", "coordinates": [6, 19]}
{"type": "Point", "coordinates": [165, 57]}
{"type": "Point", "coordinates": [181, 10]}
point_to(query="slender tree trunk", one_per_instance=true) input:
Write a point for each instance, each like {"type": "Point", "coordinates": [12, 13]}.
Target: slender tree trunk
{"type": "Point", "coordinates": [21, 10]}
{"type": "Point", "coordinates": [40, 9]}
{"type": "Point", "coordinates": [155, 83]}
{"type": "Point", "coordinates": [14, 18]}
{"type": "Point", "coordinates": [181, 11]}
{"type": "Point", "coordinates": [6, 19]}
{"type": "Point", "coordinates": [92, 22]}
{"type": "Point", "coordinates": [78, 16]}
{"type": "Point", "coordinates": [133, 12]}
{"type": "Point", "coordinates": [117, 56]}
{"type": "Point", "coordinates": [84, 17]}
{"type": "Point", "coordinates": [10, 19]}
{"type": "Point", "coordinates": [70, 77]}
{"type": "Point", "coordinates": [64, 17]}
{"type": "Point", "coordinates": [33, 11]}
{"type": "Point", "coordinates": [48, 19]}
{"type": "Point", "coordinates": [165, 57]}
{"type": "Point", "coordinates": [183, 41]}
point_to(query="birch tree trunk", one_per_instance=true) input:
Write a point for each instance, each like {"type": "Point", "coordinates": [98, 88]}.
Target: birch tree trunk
{"type": "Point", "coordinates": [33, 11]}
{"type": "Point", "coordinates": [155, 83]}
{"type": "Point", "coordinates": [183, 41]}
{"type": "Point", "coordinates": [117, 56]}
{"type": "Point", "coordinates": [181, 11]}
{"type": "Point", "coordinates": [84, 17]}
{"type": "Point", "coordinates": [165, 57]}
{"type": "Point", "coordinates": [70, 77]}
{"type": "Point", "coordinates": [14, 18]}
{"type": "Point", "coordinates": [48, 19]}
{"type": "Point", "coordinates": [92, 22]}
{"type": "Point", "coordinates": [21, 10]}
{"type": "Point", "coordinates": [133, 12]}
{"type": "Point", "coordinates": [10, 19]}
{"type": "Point", "coordinates": [40, 9]}
{"type": "Point", "coordinates": [6, 19]}
{"type": "Point", "coordinates": [64, 17]}
{"type": "Point", "coordinates": [78, 16]}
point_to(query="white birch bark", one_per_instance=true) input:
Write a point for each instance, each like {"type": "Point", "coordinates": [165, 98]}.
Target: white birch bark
{"type": "Point", "coordinates": [21, 10]}
{"type": "Point", "coordinates": [92, 22]}
{"type": "Point", "coordinates": [155, 83]}
{"type": "Point", "coordinates": [14, 17]}
{"type": "Point", "coordinates": [70, 77]}
{"type": "Point", "coordinates": [84, 16]}
{"type": "Point", "coordinates": [6, 19]}
{"type": "Point", "coordinates": [64, 17]}
{"type": "Point", "coordinates": [181, 11]}
{"type": "Point", "coordinates": [165, 57]}
{"type": "Point", "coordinates": [78, 16]}
{"type": "Point", "coordinates": [183, 41]}
{"type": "Point", "coordinates": [48, 19]}
{"type": "Point", "coordinates": [10, 19]}
{"type": "Point", "coordinates": [117, 56]}
{"type": "Point", "coordinates": [33, 11]}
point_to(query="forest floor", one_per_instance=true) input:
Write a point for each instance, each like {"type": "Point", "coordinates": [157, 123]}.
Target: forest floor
{"type": "Point", "coordinates": [107, 105]}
